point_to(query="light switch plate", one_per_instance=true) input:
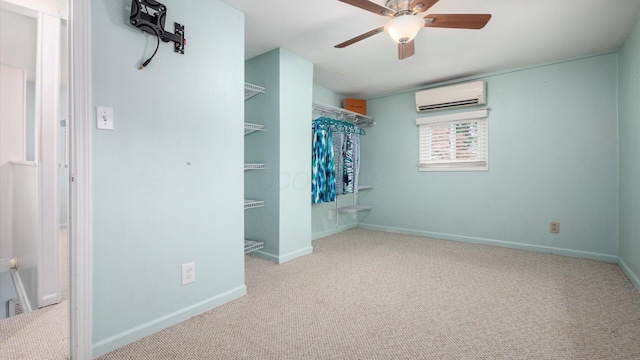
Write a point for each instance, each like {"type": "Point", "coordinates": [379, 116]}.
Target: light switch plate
{"type": "Point", "coordinates": [104, 117]}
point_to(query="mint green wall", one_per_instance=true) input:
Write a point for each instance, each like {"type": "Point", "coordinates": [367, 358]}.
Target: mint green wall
{"type": "Point", "coordinates": [285, 109]}
{"type": "Point", "coordinates": [553, 150]}
{"type": "Point", "coordinates": [168, 181]}
{"type": "Point", "coordinates": [321, 224]}
{"type": "Point", "coordinates": [296, 91]}
{"type": "Point", "coordinates": [629, 127]}
{"type": "Point", "coordinates": [326, 96]}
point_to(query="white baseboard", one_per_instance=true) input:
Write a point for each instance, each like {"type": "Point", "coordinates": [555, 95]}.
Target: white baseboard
{"type": "Point", "coordinates": [265, 255]}
{"type": "Point", "coordinates": [295, 254]}
{"type": "Point", "coordinates": [633, 277]}
{"type": "Point", "coordinates": [283, 258]}
{"type": "Point", "coordinates": [330, 232]}
{"type": "Point", "coordinates": [500, 243]}
{"type": "Point", "coordinates": [117, 341]}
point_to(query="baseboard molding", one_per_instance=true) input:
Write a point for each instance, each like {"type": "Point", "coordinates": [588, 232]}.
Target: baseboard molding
{"type": "Point", "coordinates": [500, 243]}
{"type": "Point", "coordinates": [633, 277]}
{"type": "Point", "coordinates": [279, 259]}
{"type": "Point", "coordinates": [295, 254]}
{"type": "Point", "coordinates": [265, 255]}
{"type": "Point", "coordinates": [114, 342]}
{"type": "Point", "coordinates": [330, 232]}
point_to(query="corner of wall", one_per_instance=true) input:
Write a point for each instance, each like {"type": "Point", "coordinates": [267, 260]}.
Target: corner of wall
{"type": "Point", "coordinates": [633, 277]}
{"type": "Point", "coordinates": [628, 246]}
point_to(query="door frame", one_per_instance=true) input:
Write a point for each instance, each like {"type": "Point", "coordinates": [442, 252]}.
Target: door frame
{"type": "Point", "coordinates": [48, 15]}
{"type": "Point", "coordinates": [80, 182]}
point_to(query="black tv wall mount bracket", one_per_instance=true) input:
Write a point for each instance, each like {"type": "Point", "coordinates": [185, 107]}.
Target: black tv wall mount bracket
{"type": "Point", "coordinates": [149, 16]}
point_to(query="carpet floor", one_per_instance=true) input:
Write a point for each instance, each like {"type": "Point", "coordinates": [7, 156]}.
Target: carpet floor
{"type": "Point", "coordinates": [373, 295]}
{"type": "Point", "coordinates": [41, 334]}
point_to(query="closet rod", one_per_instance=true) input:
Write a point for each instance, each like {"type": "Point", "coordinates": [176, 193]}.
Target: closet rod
{"type": "Point", "coordinates": [344, 114]}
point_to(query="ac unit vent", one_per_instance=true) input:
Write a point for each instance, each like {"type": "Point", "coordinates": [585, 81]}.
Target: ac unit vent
{"type": "Point", "coordinates": [466, 94]}
{"type": "Point", "coordinates": [448, 105]}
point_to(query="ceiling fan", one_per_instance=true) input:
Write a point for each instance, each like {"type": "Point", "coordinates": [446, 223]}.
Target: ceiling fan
{"type": "Point", "coordinates": [406, 21]}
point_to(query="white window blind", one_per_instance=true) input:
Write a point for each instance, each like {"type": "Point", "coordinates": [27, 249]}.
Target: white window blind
{"type": "Point", "coordinates": [454, 142]}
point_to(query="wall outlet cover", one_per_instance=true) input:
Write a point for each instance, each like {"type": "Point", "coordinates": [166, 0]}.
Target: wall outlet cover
{"type": "Point", "coordinates": [188, 273]}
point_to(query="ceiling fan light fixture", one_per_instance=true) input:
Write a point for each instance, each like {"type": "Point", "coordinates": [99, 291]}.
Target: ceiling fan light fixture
{"type": "Point", "coordinates": [404, 28]}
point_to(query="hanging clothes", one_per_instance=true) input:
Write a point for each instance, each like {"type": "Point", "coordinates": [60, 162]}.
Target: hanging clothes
{"type": "Point", "coordinates": [356, 161]}
{"type": "Point", "coordinates": [323, 181]}
{"type": "Point", "coordinates": [351, 162]}
{"type": "Point", "coordinates": [348, 163]}
{"type": "Point", "coordinates": [338, 140]}
{"type": "Point", "coordinates": [335, 159]}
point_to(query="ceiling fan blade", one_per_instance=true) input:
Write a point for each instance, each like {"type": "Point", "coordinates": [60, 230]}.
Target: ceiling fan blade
{"type": "Point", "coordinates": [418, 6]}
{"type": "Point", "coordinates": [458, 21]}
{"type": "Point", "coordinates": [407, 49]}
{"type": "Point", "coordinates": [360, 37]}
{"type": "Point", "coordinates": [371, 6]}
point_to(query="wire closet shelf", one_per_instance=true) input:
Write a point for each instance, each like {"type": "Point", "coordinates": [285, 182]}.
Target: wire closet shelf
{"type": "Point", "coordinates": [344, 114]}
{"type": "Point", "coordinates": [251, 90]}
{"type": "Point", "coordinates": [250, 245]}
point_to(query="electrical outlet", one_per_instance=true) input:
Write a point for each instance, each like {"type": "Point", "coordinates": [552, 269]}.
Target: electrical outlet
{"type": "Point", "coordinates": [188, 273]}
{"type": "Point", "coordinates": [330, 214]}
{"type": "Point", "coordinates": [554, 227]}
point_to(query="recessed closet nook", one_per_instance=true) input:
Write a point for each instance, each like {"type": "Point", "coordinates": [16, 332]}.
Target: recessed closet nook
{"type": "Point", "coordinates": [279, 112]}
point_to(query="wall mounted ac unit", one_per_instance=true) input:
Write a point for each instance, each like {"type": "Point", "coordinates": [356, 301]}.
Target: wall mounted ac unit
{"type": "Point", "coordinates": [447, 97]}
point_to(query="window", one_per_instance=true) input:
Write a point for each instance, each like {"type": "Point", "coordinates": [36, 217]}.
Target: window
{"type": "Point", "coordinates": [454, 142]}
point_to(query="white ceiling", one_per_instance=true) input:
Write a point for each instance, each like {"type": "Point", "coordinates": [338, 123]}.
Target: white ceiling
{"type": "Point", "coordinates": [520, 33]}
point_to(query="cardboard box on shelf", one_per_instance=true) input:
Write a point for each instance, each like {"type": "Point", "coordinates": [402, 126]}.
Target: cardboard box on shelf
{"type": "Point", "coordinates": [355, 105]}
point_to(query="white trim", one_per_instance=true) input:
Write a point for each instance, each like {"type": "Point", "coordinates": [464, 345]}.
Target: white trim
{"type": "Point", "coordinates": [265, 255]}
{"type": "Point", "coordinates": [467, 115]}
{"type": "Point", "coordinates": [32, 8]}
{"type": "Point", "coordinates": [47, 115]}
{"type": "Point", "coordinates": [283, 258]}
{"type": "Point", "coordinates": [501, 243]}
{"type": "Point", "coordinates": [81, 202]}
{"type": "Point", "coordinates": [322, 234]}
{"type": "Point", "coordinates": [295, 254]}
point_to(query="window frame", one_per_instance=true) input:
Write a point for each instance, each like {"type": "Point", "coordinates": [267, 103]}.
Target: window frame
{"type": "Point", "coordinates": [481, 117]}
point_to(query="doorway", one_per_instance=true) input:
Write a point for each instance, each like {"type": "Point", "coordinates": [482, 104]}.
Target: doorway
{"type": "Point", "coordinates": [34, 177]}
